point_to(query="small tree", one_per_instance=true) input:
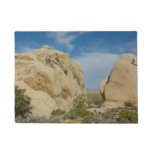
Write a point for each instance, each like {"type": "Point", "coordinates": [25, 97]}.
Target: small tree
{"type": "Point", "coordinates": [22, 103]}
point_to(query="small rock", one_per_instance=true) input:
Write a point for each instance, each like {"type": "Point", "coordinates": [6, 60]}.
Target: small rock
{"type": "Point", "coordinates": [46, 47]}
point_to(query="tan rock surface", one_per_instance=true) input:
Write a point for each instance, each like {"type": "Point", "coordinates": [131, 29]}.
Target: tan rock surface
{"type": "Point", "coordinates": [103, 84]}
{"type": "Point", "coordinates": [51, 79]}
{"type": "Point", "coordinates": [122, 83]}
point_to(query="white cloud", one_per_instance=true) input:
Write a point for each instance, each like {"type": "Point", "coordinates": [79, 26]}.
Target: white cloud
{"type": "Point", "coordinates": [26, 46]}
{"type": "Point", "coordinates": [96, 66]}
{"type": "Point", "coordinates": [25, 49]}
{"type": "Point", "coordinates": [130, 46]}
{"type": "Point", "coordinates": [64, 38]}
{"type": "Point", "coordinates": [133, 50]}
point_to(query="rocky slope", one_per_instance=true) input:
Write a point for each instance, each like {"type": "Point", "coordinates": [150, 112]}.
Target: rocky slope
{"type": "Point", "coordinates": [51, 79]}
{"type": "Point", "coordinates": [121, 85]}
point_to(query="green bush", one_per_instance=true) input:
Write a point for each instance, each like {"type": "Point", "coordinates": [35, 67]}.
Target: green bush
{"type": "Point", "coordinates": [129, 104]}
{"type": "Point", "coordinates": [128, 116]}
{"type": "Point", "coordinates": [22, 103]}
{"type": "Point", "coordinates": [83, 112]}
{"type": "Point", "coordinates": [57, 112]}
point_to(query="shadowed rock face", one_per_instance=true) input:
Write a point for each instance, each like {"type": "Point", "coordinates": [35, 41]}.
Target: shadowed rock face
{"type": "Point", "coordinates": [51, 79]}
{"type": "Point", "coordinates": [121, 85]}
{"type": "Point", "coordinates": [102, 85]}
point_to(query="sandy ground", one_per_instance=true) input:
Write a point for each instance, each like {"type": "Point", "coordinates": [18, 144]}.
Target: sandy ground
{"type": "Point", "coordinates": [93, 91]}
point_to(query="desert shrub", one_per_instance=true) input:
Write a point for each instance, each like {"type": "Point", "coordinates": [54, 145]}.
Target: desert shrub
{"type": "Point", "coordinates": [95, 111]}
{"type": "Point", "coordinates": [79, 103]}
{"type": "Point", "coordinates": [70, 115]}
{"type": "Point", "coordinates": [98, 103]}
{"type": "Point", "coordinates": [110, 114]}
{"type": "Point", "coordinates": [57, 112]}
{"type": "Point", "coordinates": [120, 115]}
{"type": "Point", "coordinates": [31, 119]}
{"type": "Point", "coordinates": [37, 119]}
{"type": "Point", "coordinates": [22, 103]}
{"type": "Point", "coordinates": [20, 119]}
{"type": "Point", "coordinates": [55, 119]}
{"type": "Point", "coordinates": [129, 104]}
{"type": "Point", "coordinates": [91, 119]}
{"type": "Point", "coordinates": [94, 100]}
{"type": "Point", "coordinates": [83, 112]}
{"type": "Point", "coordinates": [107, 121]}
{"type": "Point", "coordinates": [127, 116]}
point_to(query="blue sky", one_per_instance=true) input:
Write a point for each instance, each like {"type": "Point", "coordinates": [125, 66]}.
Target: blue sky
{"type": "Point", "coordinates": [96, 51]}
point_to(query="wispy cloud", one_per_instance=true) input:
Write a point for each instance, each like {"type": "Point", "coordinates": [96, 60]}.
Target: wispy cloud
{"type": "Point", "coordinates": [129, 47]}
{"type": "Point", "coordinates": [64, 38]}
{"type": "Point", "coordinates": [96, 66]}
{"type": "Point", "coordinates": [26, 47]}
{"type": "Point", "coordinates": [104, 47]}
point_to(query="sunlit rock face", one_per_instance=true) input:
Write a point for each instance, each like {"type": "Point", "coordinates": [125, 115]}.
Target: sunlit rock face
{"type": "Point", "coordinates": [121, 85]}
{"type": "Point", "coordinates": [51, 79]}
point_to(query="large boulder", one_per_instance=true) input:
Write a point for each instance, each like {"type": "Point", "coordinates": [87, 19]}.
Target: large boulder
{"type": "Point", "coordinates": [121, 85]}
{"type": "Point", "coordinates": [51, 79]}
